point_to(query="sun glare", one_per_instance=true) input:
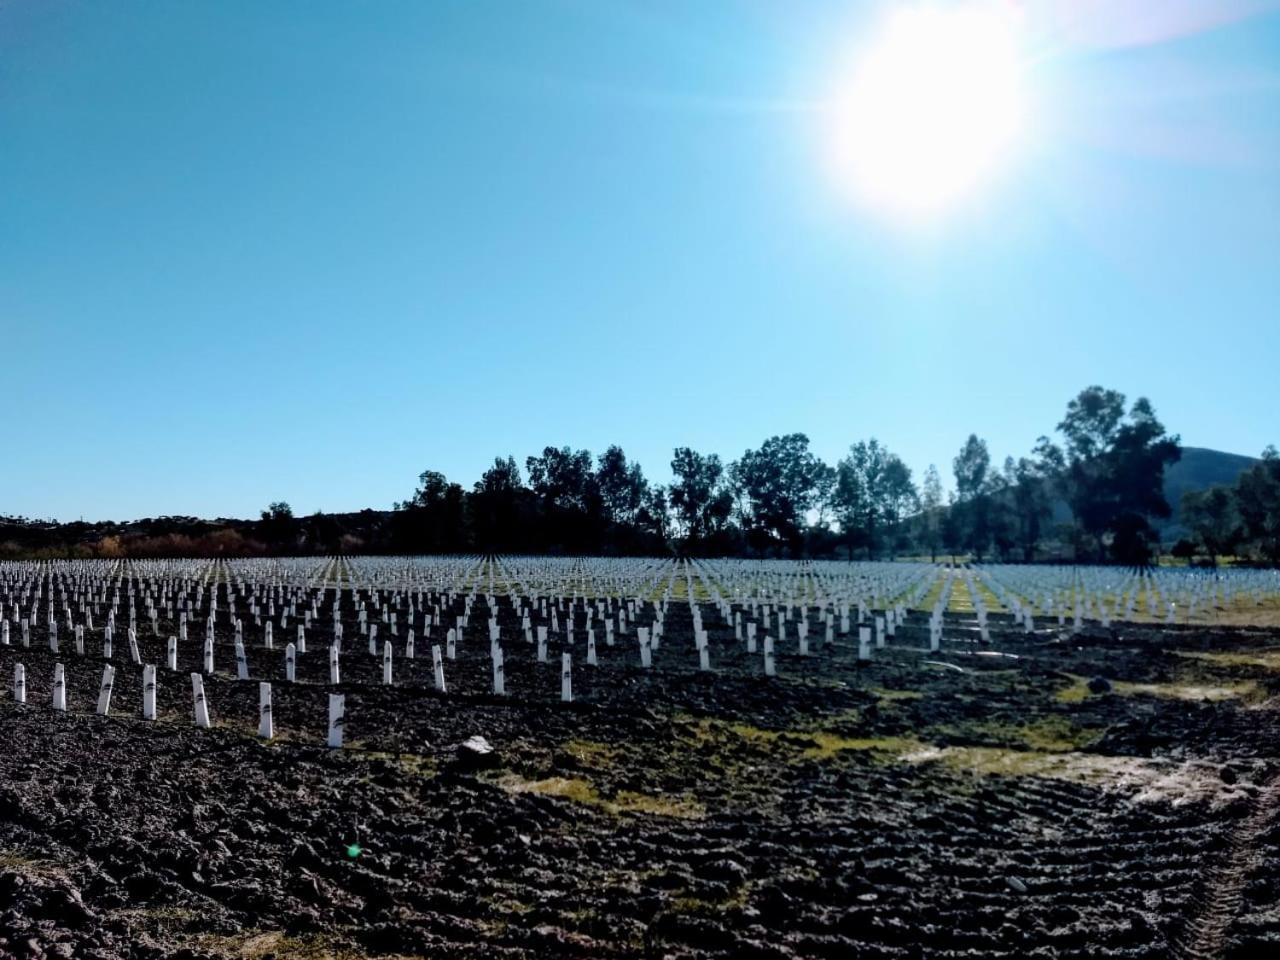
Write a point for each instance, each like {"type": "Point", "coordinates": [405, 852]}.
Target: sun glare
{"type": "Point", "coordinates": [932, 107]}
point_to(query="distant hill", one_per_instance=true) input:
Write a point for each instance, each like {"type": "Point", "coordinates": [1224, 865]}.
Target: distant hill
{"type": "Point", "coordinates": [1199, 468]}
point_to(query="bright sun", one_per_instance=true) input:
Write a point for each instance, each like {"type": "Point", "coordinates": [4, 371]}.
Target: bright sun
{"type": "Point", "coordinates": [931, 109]}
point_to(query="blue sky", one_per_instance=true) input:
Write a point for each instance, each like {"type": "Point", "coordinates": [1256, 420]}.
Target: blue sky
{"type": "Point", "coordinates": [252, 251]}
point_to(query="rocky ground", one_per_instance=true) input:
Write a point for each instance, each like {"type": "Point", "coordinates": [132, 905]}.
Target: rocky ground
{"type": "Point", "coordinates": [897, 809]}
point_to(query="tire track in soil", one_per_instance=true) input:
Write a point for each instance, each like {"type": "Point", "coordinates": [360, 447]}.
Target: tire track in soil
{"type": "Point", "coordinates": [1219, 902]}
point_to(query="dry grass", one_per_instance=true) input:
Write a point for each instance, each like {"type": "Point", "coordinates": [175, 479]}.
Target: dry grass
{"type": "Point", "coordinates": [581, 791]}
{"type": "Point", "coordinates": [256, 946]}
{"type": "Point", "coordinates": [1144, 780]}
{"type": "Point", "coordinates": [827, 745]}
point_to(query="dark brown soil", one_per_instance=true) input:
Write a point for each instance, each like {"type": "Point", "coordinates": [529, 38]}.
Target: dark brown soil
{"type": "Point", "coordinates": [891, 810]}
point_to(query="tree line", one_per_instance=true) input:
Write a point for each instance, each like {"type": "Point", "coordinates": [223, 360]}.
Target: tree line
{"type": "Point", "coordinates": [1104, 473]}
{"type": "Point", "coordinates": [1242, 519]}
{"type": "Point", "coordinates": [1090, 492]}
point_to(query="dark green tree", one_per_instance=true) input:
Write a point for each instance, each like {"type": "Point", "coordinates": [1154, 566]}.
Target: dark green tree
{"type": "Point", "coordinates": [621, 484]}
{"type": "Point", "coordinates": [278, 526]}
{"type": "Point", "coordinates": [564, 482]}
{"type": "Point", "coordinates": [1030, 493]}
{"type": "Point", "coordinates": [1002, 516]}
{"type": "Point", "coordinates": [562, 478]}
{"type": "Point", "coordinates": [971, 467]}
{"type": "Point", "coordinates": [1212, 517]}
{"type": "Point", "coordinates": [653, 519]}
{"type": "Point", "coordinates": [1112, 472]}
{"type": "Point", "coordinates": [278, 511]}
{"type": "Point", "coordinates": [953, 528]}
{"type": "Point", "coordinates": [973, 506]}
{"type": "Point", "coordinates": [824, 486]}
{"type": "Point", "coordinates": [697, 494]}
{"type": "Point", "coordinates": [495, 507]}
{"type": "Point", "coordinates": [777, 486]}
{"type": "Point", "coordinates": [434, 518]}
{"type": "Point", "coordinates": [868, 492]}
{"type": "Point", "coordinates": [900, 500]}
{"type": "Point", "coordinates": [1257, 496]}
{"type": "Point", "coordinates": [932, 510]}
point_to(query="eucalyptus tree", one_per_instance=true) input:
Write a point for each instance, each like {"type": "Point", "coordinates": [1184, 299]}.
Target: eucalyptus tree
{"type": "Point", "coordinates": [1110, 469]}
{"type": "Point", "coordinates": [777, 486]}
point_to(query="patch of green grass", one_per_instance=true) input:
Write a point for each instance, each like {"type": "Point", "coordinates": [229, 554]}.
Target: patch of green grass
{"type": "Point", "coordinates": [629, 801]}
{"type": "Point", "coordinates": [962, 597]}
{"type": "Point", "coordinates": [699, 905]}
{"type": "Point", "coordinates": [1057, 734]}
{"type": "Point", "coordinates": [989, 599]}
{"type": "Point", "coordinates": [807, 742]}
{"type": "Point", "coordinates": [892, 695]}
{"type": "Point", "coordinates": [591, 754]}
{"type": "Point", "coordinates": [931, 598]}
{"type": "Point", "coordinates": [1267, 659]}
{"type": "Point", "coordinates": [1078, 691]}
{"type": "Point", "coordinates": [1048, 734]}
